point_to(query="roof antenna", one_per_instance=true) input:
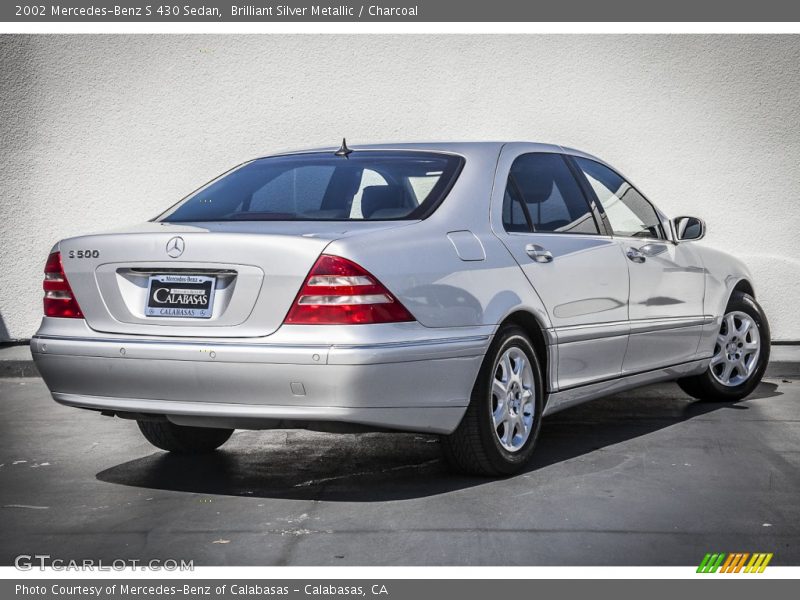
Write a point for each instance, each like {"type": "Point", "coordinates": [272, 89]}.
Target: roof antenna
{"type": "Point", "coordinates": [344, 150]}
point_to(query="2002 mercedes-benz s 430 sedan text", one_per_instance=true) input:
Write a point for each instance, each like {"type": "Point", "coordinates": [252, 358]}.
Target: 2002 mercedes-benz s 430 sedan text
{"type": "Point", "coordinates": [464, 289]}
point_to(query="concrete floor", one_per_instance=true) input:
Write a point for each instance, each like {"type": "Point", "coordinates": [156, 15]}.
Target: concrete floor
{"type": "Point", "coordinates": [645, 478]}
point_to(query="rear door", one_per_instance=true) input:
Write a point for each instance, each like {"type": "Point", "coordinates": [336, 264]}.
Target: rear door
{"type": "Point", "coordinates": [550, 227]}
{"type": "Point", "coordinates": [667, 280]}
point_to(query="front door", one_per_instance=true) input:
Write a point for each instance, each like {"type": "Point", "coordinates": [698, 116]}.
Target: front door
{"type": "Point", "coordinates": [667, 280]}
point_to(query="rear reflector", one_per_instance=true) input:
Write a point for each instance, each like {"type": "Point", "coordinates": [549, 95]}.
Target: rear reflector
{"type": "Point", "coordinates": [339, 292]}
{"type": "Point", "coordinates": [59, 300]}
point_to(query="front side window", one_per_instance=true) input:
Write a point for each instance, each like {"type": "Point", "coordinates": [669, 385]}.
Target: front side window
{"type": "Point", "coordinates": [542, 195]}
{"type": "Point", "coordinates": [367, 185]}
{"type": "Point", "coordinates": [628, 212]}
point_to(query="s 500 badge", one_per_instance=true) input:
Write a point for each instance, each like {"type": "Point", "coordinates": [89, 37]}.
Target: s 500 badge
{"type": "Point", "coordinates": [84, 254]}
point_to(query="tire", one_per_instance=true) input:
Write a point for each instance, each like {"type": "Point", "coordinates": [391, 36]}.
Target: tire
{"type": "Point", "coordinates": [476, 447]}
{"type": "Point", "coordinates": [183, 440]}
{"type": "Point", "coordinates": [709, 385]}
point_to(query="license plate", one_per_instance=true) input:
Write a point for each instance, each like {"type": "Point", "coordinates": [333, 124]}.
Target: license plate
{"type": "Point", "coordinates": [180, 296]}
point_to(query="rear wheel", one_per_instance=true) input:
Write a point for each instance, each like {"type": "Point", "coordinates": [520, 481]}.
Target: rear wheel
{"type": "Point", "coordinates": [741, 354]}
{"type": "Point", "coordinates": [183, 440]}
{"type": "Point", "coordinates": [498, 433]}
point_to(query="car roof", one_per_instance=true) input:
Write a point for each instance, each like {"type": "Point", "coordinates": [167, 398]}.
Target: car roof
{"type": "Point", "coordinates": [464, 147]}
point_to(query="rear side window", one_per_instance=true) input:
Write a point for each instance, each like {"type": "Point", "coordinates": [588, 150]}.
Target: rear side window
{"type": "Point", "coordinates": [628, 212]}
{"type": "Point", "coordinates": [366, 185]}
{"type": "Point", "coordinates": [543, 196]}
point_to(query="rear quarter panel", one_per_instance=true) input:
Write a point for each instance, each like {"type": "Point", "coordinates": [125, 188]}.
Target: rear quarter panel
{"type": "Point", "coordinates": [421, 266]}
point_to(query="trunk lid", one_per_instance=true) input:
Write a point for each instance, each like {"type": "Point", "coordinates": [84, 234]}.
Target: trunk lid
{"type": "Point", "coordinates": [255, 270]}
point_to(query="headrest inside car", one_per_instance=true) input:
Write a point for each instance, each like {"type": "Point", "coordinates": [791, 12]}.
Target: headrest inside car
{"type": "Point", "coordinates": [380, 198]}
{"type": "Point", "coordinates": [535, 188]}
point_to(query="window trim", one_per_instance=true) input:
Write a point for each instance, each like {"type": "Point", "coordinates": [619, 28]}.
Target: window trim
{"type": "Point", "coordinates": [518, 197]}
{"type": "Point", "coordinates": [599, 225]}
{"type": "Point", "coordinates": [591, 198]}
{"type": "Point", "coordinates": [596, 200]}
{"type": "Point", "coordinates": [415, 215]}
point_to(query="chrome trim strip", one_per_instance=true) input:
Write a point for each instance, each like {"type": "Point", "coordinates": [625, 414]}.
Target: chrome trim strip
{"type": "Point", "coordinates": [466, 348]}
{"type": "Point", "coordinates": [593, 331]}
{"type": "Point", "coordinates": [652, 325]}
{"type": "Point", "coordinates": [209, 351]}
{"type": "Point", "coordinates": [249, 345]}
{"type": "Point", "coordinates": [583, 393]}
{"type": "Point", "coordinates": [198, 352]}
{"type": "Point", "coordinates": [433, 342]}
{"type": "Point", "coordinates": [171, 271]}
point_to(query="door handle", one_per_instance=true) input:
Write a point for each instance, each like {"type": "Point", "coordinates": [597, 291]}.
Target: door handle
{"type": "Point", "coordinates": [635, 255]}
{"type": "Point", "coordinates": [538, 254]}
{"type": "Point", "coordinates": [653, 249]}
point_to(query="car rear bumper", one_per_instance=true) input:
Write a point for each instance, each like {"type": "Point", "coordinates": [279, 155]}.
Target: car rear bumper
{"type": "Point", "coordinates": [421, 385]}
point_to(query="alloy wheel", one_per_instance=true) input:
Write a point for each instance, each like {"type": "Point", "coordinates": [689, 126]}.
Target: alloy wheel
{"type": "Point", "coordinates": [736, 350]}
{"type": "Point", "coordinates": [513, 399]}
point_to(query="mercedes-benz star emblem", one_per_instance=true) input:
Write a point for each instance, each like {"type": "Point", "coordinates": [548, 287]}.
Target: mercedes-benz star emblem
{"type": "Point", "coordinates": [175, 247]}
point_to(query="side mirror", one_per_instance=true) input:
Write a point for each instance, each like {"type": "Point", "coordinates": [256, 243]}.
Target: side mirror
{"type": "Point", "coordinates": [689, 228]}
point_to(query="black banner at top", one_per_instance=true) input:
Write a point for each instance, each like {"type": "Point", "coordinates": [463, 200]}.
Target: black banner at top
{"type": "Point", "coordinates": [150, 11]}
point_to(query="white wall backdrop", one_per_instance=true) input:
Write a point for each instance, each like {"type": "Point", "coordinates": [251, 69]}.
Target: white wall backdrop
{"type": "Point", "coordinates": [104, 131]}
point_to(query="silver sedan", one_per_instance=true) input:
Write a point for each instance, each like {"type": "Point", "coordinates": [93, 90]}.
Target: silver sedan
{"type": "Point", "coordinates": [463, 289]}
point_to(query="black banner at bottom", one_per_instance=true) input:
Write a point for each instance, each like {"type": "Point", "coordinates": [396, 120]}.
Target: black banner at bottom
{"type": "Point", "coordinates": [395, 589]}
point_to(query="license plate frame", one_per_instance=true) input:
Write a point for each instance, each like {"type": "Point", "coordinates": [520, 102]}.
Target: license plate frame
{"type": "Point", "coordinates": [179, 300]}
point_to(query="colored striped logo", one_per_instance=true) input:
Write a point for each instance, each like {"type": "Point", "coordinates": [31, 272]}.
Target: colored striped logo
{"type": "Point", "coordinates": [735, 563]}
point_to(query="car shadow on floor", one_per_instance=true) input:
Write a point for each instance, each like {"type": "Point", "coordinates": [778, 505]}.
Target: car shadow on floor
{"type": "Point", "coordinates": [380, 467]}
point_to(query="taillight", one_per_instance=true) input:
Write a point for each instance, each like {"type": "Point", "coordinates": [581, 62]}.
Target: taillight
{"type": "Point", "coordinates": [59, 301]}
{"type": "Point", "coordinates": [339, 292]}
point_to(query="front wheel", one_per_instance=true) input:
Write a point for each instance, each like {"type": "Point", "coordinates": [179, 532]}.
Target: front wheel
{"type": "Point", "coordinates": [498, 433]}
{"type": "Point", "coordinates": [181, 439]}
{"type": "Point", "coordinates": [741, 354]}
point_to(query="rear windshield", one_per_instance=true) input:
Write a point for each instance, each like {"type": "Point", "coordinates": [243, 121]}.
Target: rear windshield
{"type": "Point", "coordinates": [366, 185]}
